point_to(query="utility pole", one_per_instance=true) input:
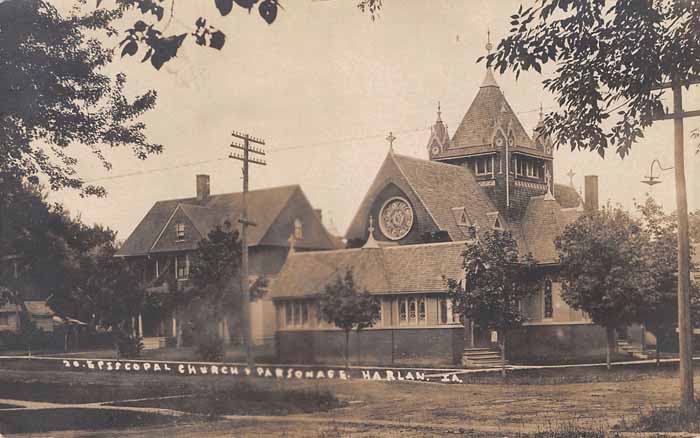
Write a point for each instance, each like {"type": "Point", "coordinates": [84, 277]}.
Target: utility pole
{"type": "Point", "coordinates": [685, 329]}
{"type": "Point", "coordinates": [245, 223]}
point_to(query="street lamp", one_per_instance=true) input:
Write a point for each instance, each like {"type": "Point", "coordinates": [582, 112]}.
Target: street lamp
{"type": "Point", "coordinates": [652, 180]}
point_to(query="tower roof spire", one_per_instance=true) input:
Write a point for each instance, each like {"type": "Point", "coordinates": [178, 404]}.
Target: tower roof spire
{"type": "Point", "coordinates": [489, 80]}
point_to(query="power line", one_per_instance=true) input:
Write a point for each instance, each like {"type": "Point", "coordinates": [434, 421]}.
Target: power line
{"type": "Point", "coordinates": [272, 151]}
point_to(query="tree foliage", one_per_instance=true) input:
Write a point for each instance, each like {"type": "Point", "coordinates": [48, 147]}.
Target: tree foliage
{"type": "Point", "coordinates": [214, 291]}
{"type": "Point", "coordinates": [148, 35]}
{"type": "Point", "coordinates": [608, 57]}
{"type": "Point", "coordinates": [61, 259]}
{"type": "Point", "coordinates": [55, 95]}
{"type": "Point", "coordinates": [496, 281]}
{"type": "Point", "coordinates": [603, 269]}
{"type": "Point", "coordinates": [343, 304]}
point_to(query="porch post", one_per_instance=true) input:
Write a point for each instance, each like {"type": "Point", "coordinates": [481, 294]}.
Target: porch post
{"type": "Point", "coordinates": [140, 326]}
{"type": "Point", "coordinates": [174, 326]}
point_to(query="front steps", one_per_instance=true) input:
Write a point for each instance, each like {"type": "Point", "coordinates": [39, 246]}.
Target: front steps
{"type": "Point", "coordinates": [481, 358]}
{"type": "Point", "coordinates": [633, 350]}
{"type": "Point", "coordinates": [154, 343]}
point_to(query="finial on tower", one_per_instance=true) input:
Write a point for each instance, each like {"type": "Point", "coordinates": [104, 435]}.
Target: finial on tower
{"type": "Point", "coordinates": [439, 119]}
{"type": "Point", "coordinates": [541, 112]}
{"type": "Point", "coordinates": [390, 138]}
{"type": "Point", "coordinates": [489, 46]}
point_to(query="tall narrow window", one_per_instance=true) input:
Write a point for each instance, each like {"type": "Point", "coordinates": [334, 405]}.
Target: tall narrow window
{"type": "Point", "coordinates": [402, 310]}
{"type": "Point", "coordinates": [304, 313]}
{"type": "Point", "coordinates": [443, 311]}
{"type": "Point", "coordinates": [288, 319]}
{"type": "Point", "coordinates": [298, 230]}
{"type": "Point", "coordinates": [297, 313]}
{"type": "Point", "coordinates": [548, 304]}
{"type": "Point", "coordinates": [421, 309]}
{"type": "Point", "coordinates": [182, 267]}
{"type": "Point", "coordinates": [412, 309]}
{"type": "Point", "coordinates": [180, 231]}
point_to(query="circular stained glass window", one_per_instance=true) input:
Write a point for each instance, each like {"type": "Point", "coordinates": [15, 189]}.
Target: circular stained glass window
{"type": "Point", "coordinates": [396, 218]}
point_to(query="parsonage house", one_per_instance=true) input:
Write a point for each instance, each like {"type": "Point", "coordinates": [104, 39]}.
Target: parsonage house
{"type": "Point", "coordinates": [408, 235]}
{"type": "Point", "coordinates": [164, 244]}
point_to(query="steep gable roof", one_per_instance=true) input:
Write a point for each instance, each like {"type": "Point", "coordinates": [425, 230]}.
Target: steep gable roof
{"type": "Point", "coordinates": [543, 222]}
{"type": "Point", "coordinates": [264, 206]}
{"type": "Point", "coordinates": [439, 187]}
{"type": "Point", "coordinates": [478, 126]}
{"type": "Point", "coordinates": [443, 187]}
{"type": "Point", "coordinates": [397, 269]}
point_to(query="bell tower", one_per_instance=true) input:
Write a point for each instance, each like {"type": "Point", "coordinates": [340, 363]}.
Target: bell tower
{"type": "Point", "coordinates": [491, 141]}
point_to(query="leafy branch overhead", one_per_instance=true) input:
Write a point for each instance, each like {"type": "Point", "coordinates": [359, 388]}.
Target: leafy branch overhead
{"type": "Point", "coordinates": [159, 48]}
{"type": "Point", "coordinates": [609, 58]}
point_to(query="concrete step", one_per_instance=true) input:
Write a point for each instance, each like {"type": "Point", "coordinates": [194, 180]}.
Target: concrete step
{"type": "Point", "coordinates": [153, 343]}
{"type": "Point", "coordinates": [484, 355]}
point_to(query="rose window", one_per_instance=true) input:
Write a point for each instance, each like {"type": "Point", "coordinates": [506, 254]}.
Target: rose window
{"type": "Point", "coordinates": [396, 218]}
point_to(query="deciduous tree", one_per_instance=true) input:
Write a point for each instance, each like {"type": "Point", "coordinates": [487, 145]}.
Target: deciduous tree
{"type": "Point", "coordinates": [342, 303]}
{"type": "Point", "coordinates": [497, 279]}
{"type": "Point", "coordinates": [56, 98]}
{"type": "Point", "coordinates": [604, 269]}
{"type": "Point", "coordinates": [608, 56]}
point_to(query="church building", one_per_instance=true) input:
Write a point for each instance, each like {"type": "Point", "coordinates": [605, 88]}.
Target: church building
{"type": "Point", "coordinates": [408, 235]}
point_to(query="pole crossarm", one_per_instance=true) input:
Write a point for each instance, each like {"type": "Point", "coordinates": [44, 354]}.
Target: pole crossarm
{"type": "Point", "coordinates": [245, 222]}
{"type": "Point", "coordinates": [682, 115]}
{"type": "Point", "coordinates": [248, 137]}
{"type": "Point", "coordinates": [240, 157]}
{"type": "Point", "coordinates": [686, 83]}
{"type": "Point", "coordinates": [252, 149]}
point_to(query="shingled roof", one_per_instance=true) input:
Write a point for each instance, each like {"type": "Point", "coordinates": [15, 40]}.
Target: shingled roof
{"type": "Point", "coordinates": [264, 205]}
{"type": "Point", "coordinates": [544, 221]}
{"type": "Point", "coordinates": [397, 269]}
{"type": "Point", "coordinates": [440, 187]}
{"type": "Point", "coordinates": [478, 126]}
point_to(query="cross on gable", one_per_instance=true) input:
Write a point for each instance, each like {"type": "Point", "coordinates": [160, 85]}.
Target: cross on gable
{"type": "Point", "coordinates": [390, 138]}
{"type": "Point", "coordinates": [571, 175]}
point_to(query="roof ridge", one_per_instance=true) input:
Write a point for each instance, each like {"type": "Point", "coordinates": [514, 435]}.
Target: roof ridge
{"type": "Point", "coordinates": [192, 198]}
{"type": "Point", "coordinates": [423, 160]}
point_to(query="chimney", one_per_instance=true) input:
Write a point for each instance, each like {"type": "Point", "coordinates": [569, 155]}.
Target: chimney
{"type": "Point", "coordinates": [319, 213]}
{"type": "Point", "coordinates": [591, 192]}
{"type": "Point", "coordinates": [202, 187]}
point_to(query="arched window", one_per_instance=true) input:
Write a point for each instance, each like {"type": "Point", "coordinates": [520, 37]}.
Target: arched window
{"type": "Point", "coordinates": [298, 230]}
{"type": "Point", "coordinates": [547, 299]}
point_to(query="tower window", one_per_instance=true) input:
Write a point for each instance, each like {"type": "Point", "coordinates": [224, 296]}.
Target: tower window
{"type": "Point", "coordinates": [528, 167]}
{"type": "Point", "coordinates": [483, 166]}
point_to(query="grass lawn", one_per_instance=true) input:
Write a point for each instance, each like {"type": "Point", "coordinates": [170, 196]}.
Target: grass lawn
{"type": "Point", "coordinates": [530, 401]}
{"type": "Point", "coordinates": [248, 399]}
{"type": "Point", "coordinates": [45, 420]}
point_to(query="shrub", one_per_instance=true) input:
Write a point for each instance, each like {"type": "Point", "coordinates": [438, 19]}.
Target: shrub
{"type": "Point", "coordinates": [209, 347]}
{"type": "Point", "coordinates": [129, 346]}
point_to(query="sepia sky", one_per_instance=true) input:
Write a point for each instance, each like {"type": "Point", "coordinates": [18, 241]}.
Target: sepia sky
{"type": "Point", "coordinates": [324, 85]}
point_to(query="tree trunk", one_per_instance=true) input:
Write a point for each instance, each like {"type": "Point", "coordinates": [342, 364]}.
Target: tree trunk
{"type": "Point", "coordinates": [503, 354]}
{"type": "Point", "coordinates": [611, 345]}
{"type": "Point", "coordinates": [359, 349]}
{"type": "Point", "coordinates": [347, 348]}
{"type": "Point", "coordinates": [658, 352]}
